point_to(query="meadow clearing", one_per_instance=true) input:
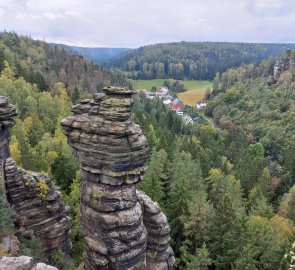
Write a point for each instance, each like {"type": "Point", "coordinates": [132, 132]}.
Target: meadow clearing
{"type": "Point", "coordinates": [194, 93]}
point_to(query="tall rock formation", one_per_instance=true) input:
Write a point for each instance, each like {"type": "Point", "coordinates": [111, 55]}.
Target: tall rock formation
{"type": "Point", "coordinates": [7, 112]}
{"type": "Point", "coordinates": [284, 62]}
{"type": "Point", "coordinates": [40, 210]}
{"type": "Point", "coordinates": [159, 254]}
{"type": "Point", "coordinates": [113, 152]}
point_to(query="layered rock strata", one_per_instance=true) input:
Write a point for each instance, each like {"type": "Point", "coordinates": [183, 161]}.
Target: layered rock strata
{"type": "Point", "coordinates": [159, 254]}
{"type": "Point", "coordinates": [40, 210]}
{"type": "Point", "coordinates": [7, 112]}
{"type": "Point", "coordinates": [113, 152]}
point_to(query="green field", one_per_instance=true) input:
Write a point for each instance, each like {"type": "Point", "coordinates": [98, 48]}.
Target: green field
{"type": "Point", "coordinates": [195, 89]}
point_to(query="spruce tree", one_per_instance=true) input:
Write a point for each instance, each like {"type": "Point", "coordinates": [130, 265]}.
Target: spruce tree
{"type": "Point", "coordinates": [155, 175]}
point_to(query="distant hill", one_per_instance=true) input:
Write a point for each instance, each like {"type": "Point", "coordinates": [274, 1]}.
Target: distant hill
{"type": "Point", "coordinates": [191, 60]}
{"type": "Point", "coordinates": [45, 64]}
{"type": "Point", "coordinates": [96, 55]}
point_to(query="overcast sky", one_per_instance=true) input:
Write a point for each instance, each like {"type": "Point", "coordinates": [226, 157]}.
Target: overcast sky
{"type": "Point", "coordinates": [133, 23]}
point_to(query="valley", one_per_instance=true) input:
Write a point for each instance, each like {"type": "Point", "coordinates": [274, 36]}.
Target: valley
{"type": "Point", "coordinates": [155, 189]}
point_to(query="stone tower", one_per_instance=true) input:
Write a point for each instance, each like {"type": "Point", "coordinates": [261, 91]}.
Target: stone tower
{"type": "Point", "coordinates": [113, 152]}
{"type": "Point", "coordinates": [7, 113]}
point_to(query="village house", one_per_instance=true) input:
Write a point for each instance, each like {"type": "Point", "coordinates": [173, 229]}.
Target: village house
{"type": "Point", "coordinates": [201, 105]}
{"type": "Point", "coordinates": [179, 112]}
{"type": "Point", "coordinates": [187, 119]}
{"type": "Point", "coordinates": [162, 92]}
{"type": "Point", "coordinates": [150, 95]}
{"type": "Point", "coordinates": [167, 101]}
{"type": "Point", "coordinates": [177, 104]}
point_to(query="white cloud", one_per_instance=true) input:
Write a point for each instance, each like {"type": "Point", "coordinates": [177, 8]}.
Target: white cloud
{"type": "Point", "coordinates": [134, 23]}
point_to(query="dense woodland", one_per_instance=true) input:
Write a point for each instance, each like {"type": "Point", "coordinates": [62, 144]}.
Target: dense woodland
{"type": "Point", "coordinates": [228, 191]}
{"type": "Point", "coordinates": [45, 64]}
{"type": "Point", "coordinates": [191, 60]}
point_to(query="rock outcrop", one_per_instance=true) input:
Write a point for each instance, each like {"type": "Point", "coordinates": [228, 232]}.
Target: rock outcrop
{"type": "Point", "coordinates": [7, 112]}
{"type": "Point", "coordinates": [39, 208]}
{"type": "Point", "coordinates": [113, 152]}
{"type": "Point", "coordinates": [283, 63]}
{"type": "Point", "coordinates": [159, 254]}
{"type": "Point", "coordinates": [40, 211]}
{"type": "Point", "coordinates": [22, 263]}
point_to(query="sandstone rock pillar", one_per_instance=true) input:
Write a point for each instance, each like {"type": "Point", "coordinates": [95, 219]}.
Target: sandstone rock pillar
{"type": "Point", "coordinates": [113, 152]}
{"type": "Point", "coordinates": [7, 112]}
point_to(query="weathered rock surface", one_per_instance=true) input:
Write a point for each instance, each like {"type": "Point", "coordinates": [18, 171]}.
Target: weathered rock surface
{"type": "Point", "coordinates": [283, 63]}
{"type": "Point", "coordinates": [113, 152]}
{"type": "Point", "coordinates": [40, 210]}
{"type": "Point", "coordinates": [7, 112]}
{"type": "Point", "coordinates": [22, 263]}
{"type": "Point", "coordinates": [16, 263]}
{"type": "Point", "coordinates": [159, 254]}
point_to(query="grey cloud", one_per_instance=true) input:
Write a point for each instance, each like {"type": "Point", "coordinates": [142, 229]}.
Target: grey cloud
{"type": "Point", "coordinates": [134, 23]}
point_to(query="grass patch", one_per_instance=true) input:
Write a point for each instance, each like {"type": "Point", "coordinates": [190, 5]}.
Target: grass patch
{"type": "Point", "coordinates": [148, 84]}
{"type": "Point", "coordinates": [191, 97]}
{"type": "Point", "coordinates": [195, 89]}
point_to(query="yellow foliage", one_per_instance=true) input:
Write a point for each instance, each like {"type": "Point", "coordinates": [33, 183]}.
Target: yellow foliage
{"type": "Point", "coordinates": [195, 140]}
{"type": "Point", "coordinates": [260, 224]}
{"type": "Point", "coordinates": [265, 172]}
{"type": "Point", "coordinates": [43, 189]}
{"type": "Point", "coordinates": [3, 252]}
{"type": "Point", "coordinates": [253, 194]}
{"type": "Point", "coordinates": [283, 228]}
{"type": "Point", "coordinates": [52, 155]}
{"type": "Point", "coordinates": [15, 152]}
{"type": "Point", "coordinates": [284, 206]}
{"type": "Point", "coordinates": [28, 122]}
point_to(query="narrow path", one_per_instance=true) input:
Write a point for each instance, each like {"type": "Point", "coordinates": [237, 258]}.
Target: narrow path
{"type": "Point", "coordinates": [210, 120]}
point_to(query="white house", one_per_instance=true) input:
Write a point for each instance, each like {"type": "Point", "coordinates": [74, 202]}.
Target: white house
{"type": "Point", "coordinates": [150, 95]}
{"type": "Point", "coordinates": [201, 105]}
{"type": "Point", "coordinates": [167, 101]}
{"type": "Point", "coordinates": [187, 119]}
{"type": "Point", "coordinates": [162, 92]}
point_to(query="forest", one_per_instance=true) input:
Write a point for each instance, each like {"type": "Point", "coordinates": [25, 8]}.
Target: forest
{"type": "Point", "coordinates": [44, 64]}
{"type": "Point", "coordinates": [228, 192]}
{"type": "Point", "coordinates": [191, 60]}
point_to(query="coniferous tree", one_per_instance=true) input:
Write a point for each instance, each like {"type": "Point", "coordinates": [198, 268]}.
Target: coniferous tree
{"type": "Point", "coordinates": [155, 176]}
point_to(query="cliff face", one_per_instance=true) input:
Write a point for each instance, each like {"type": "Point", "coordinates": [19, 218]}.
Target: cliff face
{"type": "Point", "coordinates": [283, 63]}
{"type": "Point", "coordinates": [7, 112]}
{"type": "Point", "coordinates": [113, 152]}
{"type": "Point", "coordinates": [159, 254]}
{"type": "Point", "coordinates": [39, 208]}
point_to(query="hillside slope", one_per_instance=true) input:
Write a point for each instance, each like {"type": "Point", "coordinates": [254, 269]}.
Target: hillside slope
{"type": "Point", "coordinates": [192, 60]}
{"type": "Point", "coordinates": [96, 55]}
{"type": "Point", "coordinates": [41, 63]}
{"type": "Point", "coordinates": [261, 100]}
